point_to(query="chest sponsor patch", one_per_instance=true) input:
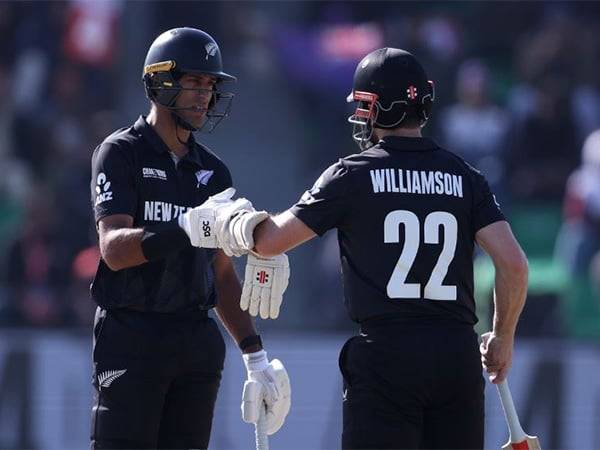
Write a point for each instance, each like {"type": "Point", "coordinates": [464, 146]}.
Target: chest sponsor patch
{"type": "Point", "coordinates": [149, 172]}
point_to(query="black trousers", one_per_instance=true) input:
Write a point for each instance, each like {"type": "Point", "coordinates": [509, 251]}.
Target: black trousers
{"type": "Point", "coordinates": [413, 387]}
{"type": "Point", "coordinates": [156, 378]}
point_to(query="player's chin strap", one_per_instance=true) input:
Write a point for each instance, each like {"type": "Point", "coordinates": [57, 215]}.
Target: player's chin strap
{"type": "Point", "coordinates": [180, 122]}
{"type": "Point", "coordinates": [214, 119]}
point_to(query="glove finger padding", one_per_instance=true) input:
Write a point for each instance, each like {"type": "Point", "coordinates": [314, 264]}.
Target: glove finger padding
{"type": "Point", "coordinates": [223, 218]}
{"type": "Point", "coordinates": [264, 303]}
{"type": "Point", "coordinates": [280, 282]}
{"type": "Point", "coordinates": [252, 401]}
{"type": "Point", "coordinates": [254, 300]}
{"type": "Point", "coordinates": [246, 288]}
{"type": "Point", "coordinates": [241, 227]}
{"type": "Point", "coordinates": [224, 195]}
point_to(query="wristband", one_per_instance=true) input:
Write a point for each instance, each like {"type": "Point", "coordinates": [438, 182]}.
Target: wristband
{"type": "Point", "coordinates": [160, 241]}
{"type": "Point", "coordinates": [250, 341]}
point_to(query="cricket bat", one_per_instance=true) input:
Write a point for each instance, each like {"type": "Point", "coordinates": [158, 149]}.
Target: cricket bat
{"type": "Point", "coordinates": [518, 440]}
{"type": "Point", "coordinates": [260, 431]}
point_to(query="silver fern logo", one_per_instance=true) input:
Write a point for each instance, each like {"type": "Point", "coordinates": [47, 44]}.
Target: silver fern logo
{"type": "Point", "coordinates": [211, 49]}
{"type": "Point", "coordinates": [105, 379]}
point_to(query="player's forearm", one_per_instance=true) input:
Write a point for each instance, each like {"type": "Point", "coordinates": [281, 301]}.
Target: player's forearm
{"type": "Point", "coordinates": [280, 233]}
{"type": "Point", "coordinates": [122, 248]}
{"type": "Point", "coordinates": [509, 298]}
{"type": "Point", "coordinates": [267, 240]}
{"type": "Point", "coordinates": [238, 323]}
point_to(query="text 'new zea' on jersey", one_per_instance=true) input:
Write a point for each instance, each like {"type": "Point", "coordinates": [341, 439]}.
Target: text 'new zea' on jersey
{"type": "Point", "coordinates": [406, 212]}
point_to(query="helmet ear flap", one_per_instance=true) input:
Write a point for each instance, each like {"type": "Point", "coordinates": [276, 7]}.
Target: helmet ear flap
{"type": "Point", "coordinates": [150, 92]}
{"type": "Point", "coordinates": [161, 87]}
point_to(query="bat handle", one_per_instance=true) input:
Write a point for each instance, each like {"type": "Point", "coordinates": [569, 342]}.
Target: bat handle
{"type": "Point", "coordinates": [260, 431]}
{"type": "Point", "coordinates": [514, 426]}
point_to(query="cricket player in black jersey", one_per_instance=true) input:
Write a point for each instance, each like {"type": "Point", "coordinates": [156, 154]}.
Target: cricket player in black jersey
{"type": "Point", "coordinates": [157, 355]}
{"type": "Point", "coordinates": [408, 215]}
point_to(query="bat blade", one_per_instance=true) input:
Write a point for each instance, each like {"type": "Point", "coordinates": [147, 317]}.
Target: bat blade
{"type": "Point", "coordinates": [530, 443]}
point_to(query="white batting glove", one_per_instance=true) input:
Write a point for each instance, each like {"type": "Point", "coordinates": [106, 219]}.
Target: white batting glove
{"type": "Point", "coordinates": [236, 229]}
{"type": "Point", "coordinates": [200, 223]}
{"type": "Point", "coordinates": [267, 386]}
{"type": "Point", "coordinates": [265, 282]}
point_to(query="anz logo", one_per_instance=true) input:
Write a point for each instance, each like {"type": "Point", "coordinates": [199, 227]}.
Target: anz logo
{"type": "Point", "coordinates": [103, 192]}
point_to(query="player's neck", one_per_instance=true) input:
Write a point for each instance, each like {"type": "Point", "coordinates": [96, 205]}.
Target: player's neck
{"type": "Point", "coordinates": [172, 135]}
{"type": "Point", "coordinates": [381, 133]}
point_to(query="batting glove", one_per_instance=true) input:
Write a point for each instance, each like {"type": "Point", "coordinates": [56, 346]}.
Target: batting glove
{"type": "Point", "coordinates": [236, 230]}
{"type": "Point", "coordinates": [265, 282]}
{"type": "Point", "coordinates": [201, 223]}
{"type": "Point", "coordinates": [267, 386]}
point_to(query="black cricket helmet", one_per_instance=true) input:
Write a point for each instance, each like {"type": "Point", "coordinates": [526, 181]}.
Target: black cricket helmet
{"type": "Point", "coordinates": [182, 51]}
{"type": "Point", "coordinates": [392, 89]}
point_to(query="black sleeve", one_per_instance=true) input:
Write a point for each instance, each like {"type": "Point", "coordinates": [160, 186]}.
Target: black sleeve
{"type": "Point", "coordinates": [222, 180]}
{"type": "Point", "coordinates": [486, 209]}
{"type": "Point", "coordinates": [113, 182]}
{"type": "Point", "coordinates": [324, 205]}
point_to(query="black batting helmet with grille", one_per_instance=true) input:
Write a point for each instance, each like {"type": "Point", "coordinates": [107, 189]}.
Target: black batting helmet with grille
{"type": "Point", "coordinates": [184, 51]}
{"type": "Point", "coordinates": [392, 90]}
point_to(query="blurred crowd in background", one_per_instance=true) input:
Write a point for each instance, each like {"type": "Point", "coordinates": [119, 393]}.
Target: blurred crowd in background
{"type": "Point", "coordinates": [518, 96]}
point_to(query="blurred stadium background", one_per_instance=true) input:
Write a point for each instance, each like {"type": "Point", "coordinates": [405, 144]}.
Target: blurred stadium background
{"type": "Point", "coordinates": [518, 95]}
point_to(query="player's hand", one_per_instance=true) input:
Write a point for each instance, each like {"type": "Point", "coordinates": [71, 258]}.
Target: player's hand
{"type": "Point", "coordinates": [200, 223]}
{"type": "Point", "coordinates": [236, 229]}
{"type": "Point", "coordinates": [265, 282]}
{"type": "Point", "coordinates": [496, 355]}
{"type": "Point", "coordinates": [267, 386]}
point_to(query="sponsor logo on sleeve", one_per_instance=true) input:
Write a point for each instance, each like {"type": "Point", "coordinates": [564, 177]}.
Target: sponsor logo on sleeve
{"type": "Point", "coordinates": [103, 192]}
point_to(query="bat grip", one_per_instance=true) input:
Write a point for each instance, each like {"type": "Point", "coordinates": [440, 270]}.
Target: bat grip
{"type": "Point", "coordinates": [514, 426]}
{"type": "Point", "coordinates": [260, 431]}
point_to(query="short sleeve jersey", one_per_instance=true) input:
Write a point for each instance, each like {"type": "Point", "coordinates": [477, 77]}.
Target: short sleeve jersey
{"type": "Point", "coordinates": [406, 212]}
{"type": "Point", "coordinates": [133, 173]}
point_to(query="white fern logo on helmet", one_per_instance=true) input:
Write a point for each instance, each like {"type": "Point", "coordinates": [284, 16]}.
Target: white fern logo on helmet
{"type": "Point", "coordinates": [211, 49]}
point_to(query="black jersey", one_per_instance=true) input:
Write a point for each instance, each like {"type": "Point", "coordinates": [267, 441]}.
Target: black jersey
{"type": "Point", "coordinates": [406, 212]}
{"type": "Point", "coordinates": [134, 173]}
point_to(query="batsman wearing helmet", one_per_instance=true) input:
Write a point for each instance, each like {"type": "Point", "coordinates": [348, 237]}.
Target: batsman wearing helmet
{"type": "Point", "coordinates": [157, 354]}
{"type": "Point", "coordinates": [408, 214]}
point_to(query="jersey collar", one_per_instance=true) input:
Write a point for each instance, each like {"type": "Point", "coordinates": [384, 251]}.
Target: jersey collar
{"type": "Point", "coordinates": [158, 145]}
{"type": "Point", "coordinates": [408, 143]}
